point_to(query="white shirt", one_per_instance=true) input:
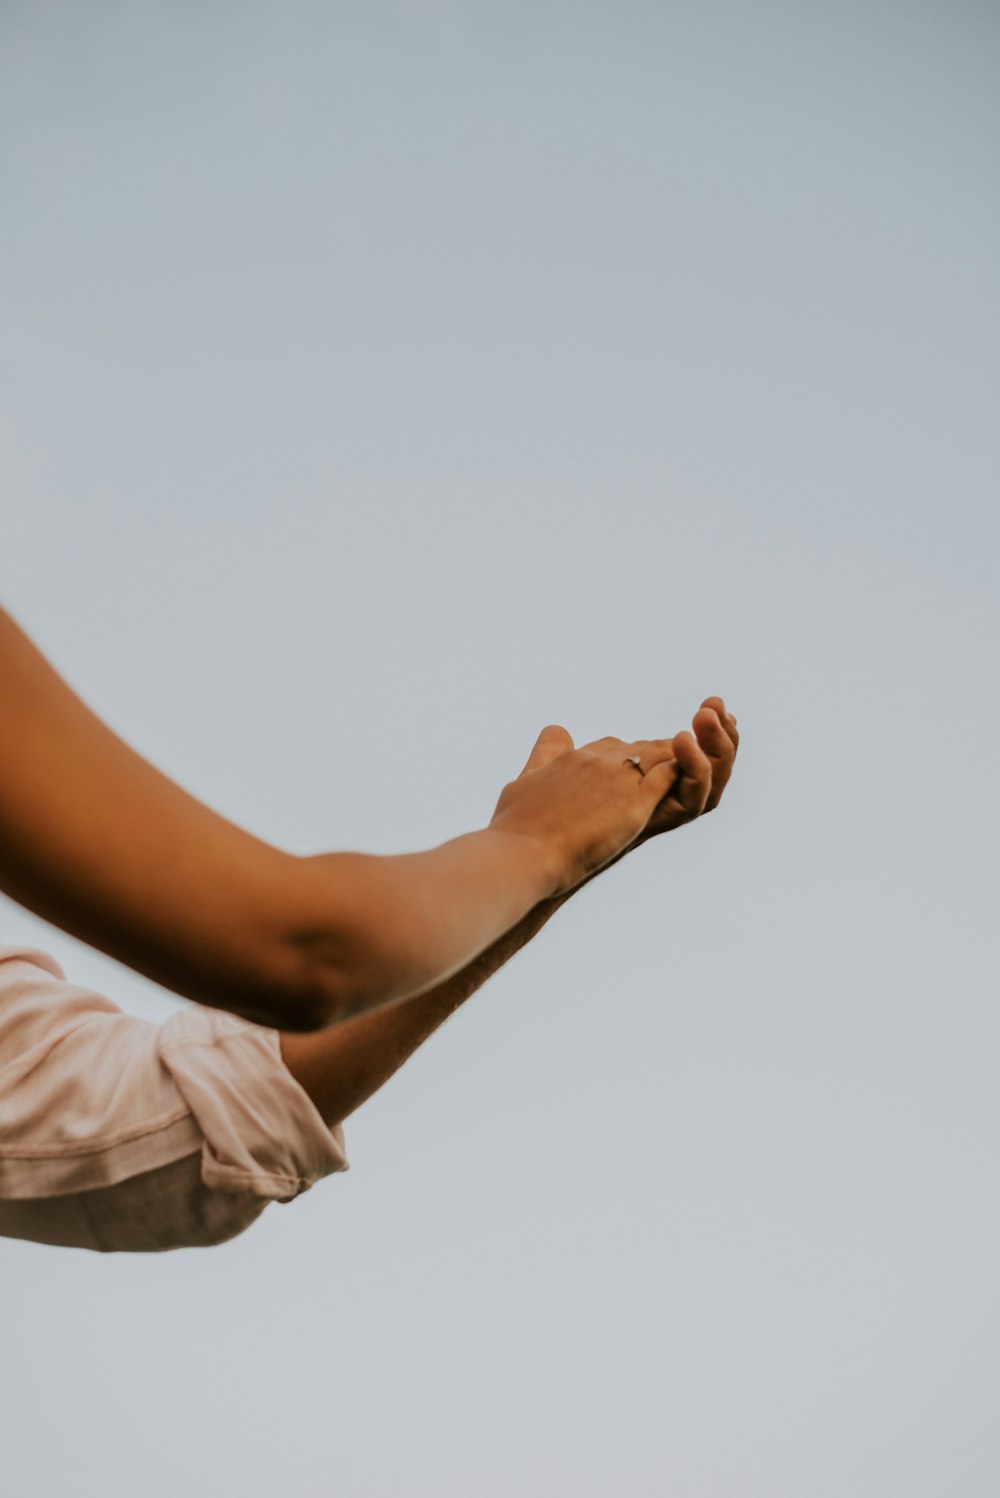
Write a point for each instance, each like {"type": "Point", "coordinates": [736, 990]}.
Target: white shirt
{"type": "Point", "coordinates": [118, 1133]}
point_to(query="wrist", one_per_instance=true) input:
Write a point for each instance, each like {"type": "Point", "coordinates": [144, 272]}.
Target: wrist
{"type": "Point", "coordinates": [540, 860]}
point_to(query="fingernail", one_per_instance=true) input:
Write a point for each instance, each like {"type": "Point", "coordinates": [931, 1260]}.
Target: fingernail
{"type": "Point", "coordinates": [731, 719]}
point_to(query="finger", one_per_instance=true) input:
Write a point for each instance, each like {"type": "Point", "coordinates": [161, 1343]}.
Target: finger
{"type": "Point", "coordinates": [658, 781]}
{"type": "Point", "coordinates": [725, 718]}
{"type": "Point", "coordinates": [551, 742]}
{"type": "Point", "coordinates": [716, 743]}
{"type": "Point", "coordinates": [642, 745]}
{"type": "Point", "coordinates": [649, 751]}
{"type": "Point", "coordinates": [694, 787]}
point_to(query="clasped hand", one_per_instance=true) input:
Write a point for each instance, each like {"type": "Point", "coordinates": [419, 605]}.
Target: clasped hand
{"type": "Point", "coordinates": [588, 806]}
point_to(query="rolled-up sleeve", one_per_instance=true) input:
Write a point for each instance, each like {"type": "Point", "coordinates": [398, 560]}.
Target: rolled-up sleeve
{"type": "Point", "coordinates": [194, 1126]}
{"type": "Point", "coordinates": [262, 1132]}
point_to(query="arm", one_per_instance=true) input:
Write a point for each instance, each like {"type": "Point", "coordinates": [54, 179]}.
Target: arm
{"type": "Point", "coordinates": [98, 841]}
{"type": "Point", "coordinates": [342, 1068]}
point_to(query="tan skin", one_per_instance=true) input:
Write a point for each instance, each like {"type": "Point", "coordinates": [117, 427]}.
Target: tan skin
{"type": "Point", "coordinates": [342, 1067]}
{"type": "Point", "coordinates": [380, 949]}
{"type": "Point", "coordinates": [97, 840]}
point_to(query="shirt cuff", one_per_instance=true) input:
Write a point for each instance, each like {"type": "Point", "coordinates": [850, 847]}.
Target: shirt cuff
{"type": "Point", "coordinates": [262, 1131]}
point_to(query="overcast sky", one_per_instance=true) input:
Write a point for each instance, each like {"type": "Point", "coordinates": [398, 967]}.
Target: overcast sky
{"type": "Point", "coordinates": [381, 383]}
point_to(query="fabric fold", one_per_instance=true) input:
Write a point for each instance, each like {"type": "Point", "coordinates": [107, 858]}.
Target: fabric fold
{"type": "Point", "coordinates": [262, 1131]}
{"type": "Point", "coordinates": [119, 1133]}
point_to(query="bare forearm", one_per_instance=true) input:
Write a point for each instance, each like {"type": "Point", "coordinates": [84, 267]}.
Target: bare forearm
{"type": "Point", "coordinates": [97, 840]}
{"type": "Point", "coordinates": [408, 923]}
{"type": "Point", "coordinates": [342, 1067]}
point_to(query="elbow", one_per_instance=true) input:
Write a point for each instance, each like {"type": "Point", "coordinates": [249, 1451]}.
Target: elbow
{"type": "Point", "coordinates": [291, 968]}
{"type": "Point", "coordinates": [321, 996]}
{"type": "Point", "coordinates": [303, 1014]}
{"type": "Point", "coordinates": [333, 991]}
{"type": "Point", "coordinates": [335, 962]}
{"type": "Point", "coordinates": [325, 982]}
{"type": "Point", "coordinates": [288, 985]}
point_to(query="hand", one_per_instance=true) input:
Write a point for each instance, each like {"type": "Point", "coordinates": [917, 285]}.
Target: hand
{"type": "Point", "coordinates": [586, 805]}
{"type": "Point", "coordinates": [704, 762]}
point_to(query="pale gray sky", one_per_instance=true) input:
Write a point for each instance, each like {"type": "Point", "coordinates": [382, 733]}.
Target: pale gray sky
{"type": "Point", "coordinates": [379, 384]}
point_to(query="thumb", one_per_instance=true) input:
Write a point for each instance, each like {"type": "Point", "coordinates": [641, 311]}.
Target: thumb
{"type": "Point", "coordinates": [551, 742]}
